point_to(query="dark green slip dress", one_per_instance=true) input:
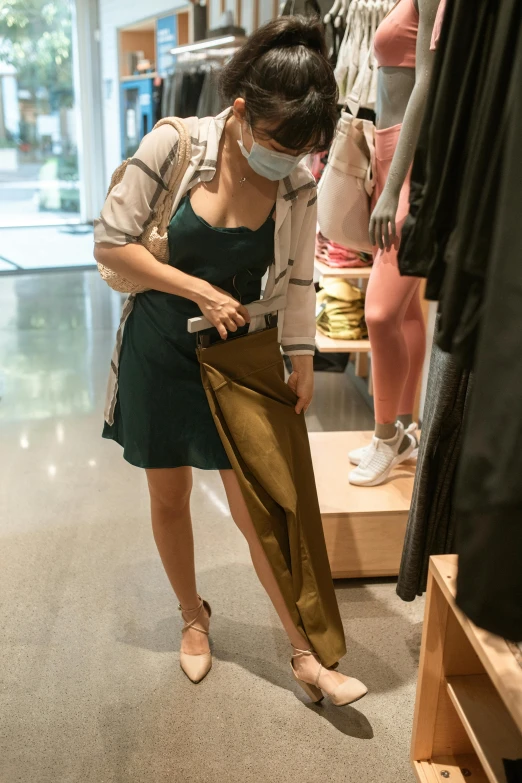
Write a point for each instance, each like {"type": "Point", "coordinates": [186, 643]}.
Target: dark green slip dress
{"type": "Point", "coordinates": [162, 417]}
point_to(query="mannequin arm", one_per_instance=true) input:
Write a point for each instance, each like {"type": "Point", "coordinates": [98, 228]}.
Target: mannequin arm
{"type": "Point", "coordinates": [382, 223]}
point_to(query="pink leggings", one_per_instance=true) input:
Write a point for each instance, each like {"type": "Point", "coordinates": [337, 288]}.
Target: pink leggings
{"type": "Point", "coordinates": [393, 310]}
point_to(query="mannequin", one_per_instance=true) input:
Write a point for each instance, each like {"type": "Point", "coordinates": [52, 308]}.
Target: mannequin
{"type": "Point", "coordinates": [393, 311]}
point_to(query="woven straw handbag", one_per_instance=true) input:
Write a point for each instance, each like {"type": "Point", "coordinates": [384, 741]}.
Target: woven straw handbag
{"type": "Point", "coordinates": [345, 189]}
{"type": "Point", "coordinates": [155, 235]}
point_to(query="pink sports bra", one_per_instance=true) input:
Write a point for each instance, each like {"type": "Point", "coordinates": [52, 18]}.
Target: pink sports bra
{"type": "Point", "coordinates": [395, 39]}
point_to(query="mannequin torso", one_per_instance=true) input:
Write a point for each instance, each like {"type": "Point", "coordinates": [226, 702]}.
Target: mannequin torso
{"type": "Point", "coordinates": [395, 49]}
{"type": "Point", "coordinates": [394, 87]}
{"type": "Point", "coordinates": [396, 107]}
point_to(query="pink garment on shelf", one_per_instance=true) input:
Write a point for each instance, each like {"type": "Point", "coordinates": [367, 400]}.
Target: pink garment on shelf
{"type": "Point", "coordinates": [437, 27]}
{"type": "Point", "coordinates": [393, 309]}
{"type": "Point", "coordinates": [395, 39]}
{"type": "Point", "coordinates": [339, 256]}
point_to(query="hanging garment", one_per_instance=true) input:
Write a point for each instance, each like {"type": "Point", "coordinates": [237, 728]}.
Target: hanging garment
{"type": "Point", "coordinates": [467, 251]}
{"type": "Point", "coordinates": [309, 8]}
{"type": "Point", "coordinates": [489, 487]}
{"type": "Point", "coordinates": [431, 522]}
{"type": "Point", "coordinates": [513, 770]}
{"type": "Point", "coordinates": [340, 308]}
{"type": "Point", "coordinates": [268, 447]}
{"type": "Point", "coordinates": [356, 69]}
{"type": "Point", "coordinates": [191, 86]}
{"type": "Point", "coordinates": [210, 102]}
{"type": "Point", "coordinates": [347, 183]}
{"type": "Point", "coordinates": [461, 66]}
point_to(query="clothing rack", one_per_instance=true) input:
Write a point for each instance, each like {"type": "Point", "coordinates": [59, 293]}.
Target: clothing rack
{"type": "Point", "coordinates": [191, 88]}
{"type": "Point", "coordinates": [356, 69]}
{"type": "Point", "coordinates": [231, 42]}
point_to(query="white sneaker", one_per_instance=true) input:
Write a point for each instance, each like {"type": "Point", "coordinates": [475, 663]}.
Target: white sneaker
{"type": "Point", "coordinates": [357, 455]}
{"type": "Point", "coordinates": [381, 457]}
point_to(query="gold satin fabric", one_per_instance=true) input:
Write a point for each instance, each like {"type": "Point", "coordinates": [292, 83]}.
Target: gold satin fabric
{"type": "Point", "coordinates": [268, 447]}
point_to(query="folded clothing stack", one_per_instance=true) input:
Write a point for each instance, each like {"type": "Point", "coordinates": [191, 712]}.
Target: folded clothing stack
{"type": "Point", "coordinates": [339, 256]}
{"type": "Point", "coordinates": [340, 310]}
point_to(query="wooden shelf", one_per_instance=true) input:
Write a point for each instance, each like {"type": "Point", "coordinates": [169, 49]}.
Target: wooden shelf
{"type": "Point", "coordinates": [138, 78]}
{"type": "Point", "coordinates": [469, 696]}
{"type": "Point", "coordinates": [459, 768]}
{"type": "Point", "coordinates": [487, 722]}
{"type": "Point", "coordinates": [327, 345]}
{"type": "Point", "coordinates": [364, 527]}
{"type": "Point", "coordinates": [362, 273]}
{"type": "Point", "coordinates": [493, 651]}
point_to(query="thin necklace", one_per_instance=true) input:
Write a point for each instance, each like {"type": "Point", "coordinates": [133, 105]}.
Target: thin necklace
{"type": "Point", "coordinates": [242, 179]}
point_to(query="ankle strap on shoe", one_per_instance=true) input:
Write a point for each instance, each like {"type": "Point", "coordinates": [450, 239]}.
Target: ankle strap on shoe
{"type": "Point", "coordinates": [299, 654]}
{"type": "Point", "coordinates": [191, 624]}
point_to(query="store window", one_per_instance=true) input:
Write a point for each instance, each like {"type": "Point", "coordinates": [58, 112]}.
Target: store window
{"type": "Point", "coordinates": [39, 181]}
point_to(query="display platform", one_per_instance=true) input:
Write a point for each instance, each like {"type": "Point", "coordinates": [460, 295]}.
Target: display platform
{"type": "Point", "coordinates": [364, 527]}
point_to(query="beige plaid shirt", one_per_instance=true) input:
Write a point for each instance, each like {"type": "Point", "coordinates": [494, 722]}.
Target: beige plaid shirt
{"type": "Point", "coordinates": [129, 206]}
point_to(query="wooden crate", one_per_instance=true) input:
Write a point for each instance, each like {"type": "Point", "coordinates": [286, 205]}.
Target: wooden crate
{"type": "Point", "coordinates": [468, 713]}
{"type": "Point", "coordinates": [364, 526]}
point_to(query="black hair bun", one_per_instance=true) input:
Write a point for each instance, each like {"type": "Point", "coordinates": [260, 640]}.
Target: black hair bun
{"type": "Point", "coordinates": [291, 31]}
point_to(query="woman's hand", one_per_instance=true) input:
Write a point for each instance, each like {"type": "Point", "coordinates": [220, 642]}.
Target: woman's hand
{"type": "Point", "coordinates": [383, 231]}
{"type": "Point", "coordinates": [222, 310]}
{"type": "Point", "coordinates": [301, 381]}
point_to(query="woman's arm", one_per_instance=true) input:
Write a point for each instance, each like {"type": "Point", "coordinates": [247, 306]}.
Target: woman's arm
{"type": "Point", "coordinates": [127, 209]}
{"type": "Point", "coordinates": [382, 224]}
{"type": "Point", "coordinates": [134, 262]}
{"type": "Point", "coordinates": [298, 338]}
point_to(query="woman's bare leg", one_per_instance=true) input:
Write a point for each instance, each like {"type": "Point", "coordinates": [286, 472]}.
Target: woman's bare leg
{"type": "Point", "coordinates": [306, 667]}
{"type": "Point", "coordinates": [260, 561]}
{"type": "Point", "coordinates": [170, 490]}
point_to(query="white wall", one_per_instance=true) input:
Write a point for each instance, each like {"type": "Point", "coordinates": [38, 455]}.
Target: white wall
{"type": "Point", "coordinates": [115, 14]}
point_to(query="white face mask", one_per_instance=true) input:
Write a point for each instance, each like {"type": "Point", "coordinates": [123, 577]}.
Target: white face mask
{"type": "Point", "coordinates": [268, 163]}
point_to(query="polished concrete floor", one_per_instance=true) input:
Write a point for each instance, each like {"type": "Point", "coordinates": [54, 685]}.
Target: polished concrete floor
{"type": "Point", "coordinates": [91, 689]}
{"type": "Point", "coordinates": [28, 248]}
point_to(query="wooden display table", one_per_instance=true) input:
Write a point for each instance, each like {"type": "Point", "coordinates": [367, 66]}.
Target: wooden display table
{"type": "Point", "coordinates": [468, 714]}
{"type": "Point", "coordinates": [364, 527]}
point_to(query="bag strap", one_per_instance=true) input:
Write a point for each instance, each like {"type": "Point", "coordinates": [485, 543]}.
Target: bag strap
{"type": "Point", "coordinates": [183, 157]}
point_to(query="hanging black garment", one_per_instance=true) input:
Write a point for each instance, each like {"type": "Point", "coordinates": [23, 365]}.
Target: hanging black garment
{"type": "Point", "coordinates": [431, 522]}
{"type": "Point", "coordinates": [157, 97]}
{"type": "Point", "coordinates": [413, 257]}
{"type": "Point", "coordinates": [513, 770]}
{"type": "Point", "coordinates": [191, 86]}
{"type": "Point", "coordinates": [460, 70]}
{"type": "Point", "coordinates": [210, 102]}
{"type": "Point", "coordinates": [301, 8]}
{"type": "Point", "coordinates": [489, 488]}
{"type": "Point", "coordinates": [468, 249]}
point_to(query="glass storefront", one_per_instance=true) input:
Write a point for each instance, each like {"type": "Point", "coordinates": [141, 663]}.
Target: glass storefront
{"type": "Point", "coordinates": [39, 180]}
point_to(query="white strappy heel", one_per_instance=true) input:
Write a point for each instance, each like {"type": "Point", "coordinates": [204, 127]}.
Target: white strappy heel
{"type": "Point", "coordinates": [346, 693]}
{"type": "Point", "coordinates": [196, 667]}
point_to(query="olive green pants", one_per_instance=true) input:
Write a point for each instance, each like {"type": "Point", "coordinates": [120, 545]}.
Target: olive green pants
{"type": "Point", "coordinates": [268, 447]}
